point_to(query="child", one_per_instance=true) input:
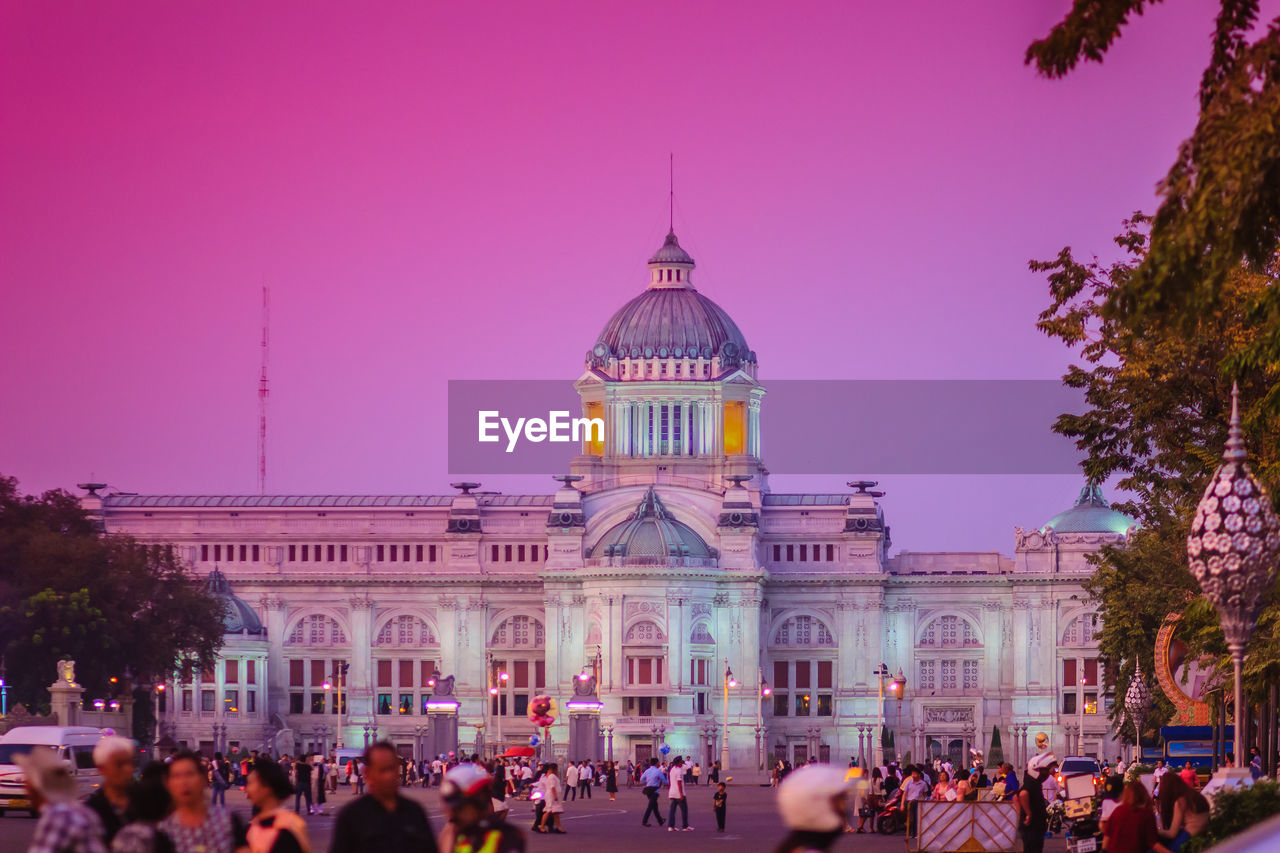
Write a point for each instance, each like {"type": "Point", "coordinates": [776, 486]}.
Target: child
{"type": "Point", "coordinates": [721, 803]}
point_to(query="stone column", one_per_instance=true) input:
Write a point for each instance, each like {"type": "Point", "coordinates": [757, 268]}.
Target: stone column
{"type": "Point", "coordinates": [360, 678]}
{"type": "Point", "coordinates": [275, 678]}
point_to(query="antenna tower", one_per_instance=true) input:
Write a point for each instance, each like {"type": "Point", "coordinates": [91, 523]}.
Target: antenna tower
{"type": "Point", "coordinates": [264, 392]}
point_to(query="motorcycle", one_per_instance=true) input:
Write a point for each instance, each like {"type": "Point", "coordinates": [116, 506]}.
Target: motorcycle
{"type": "Point", "coordinates": [1056, 812]}
{"type": "Point", "coordinates": [1084, 835]}
{"type": "Point", "coordinates": [893, 815]}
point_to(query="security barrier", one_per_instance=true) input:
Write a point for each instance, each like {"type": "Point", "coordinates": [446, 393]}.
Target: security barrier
{"type": "Point", "coordinates": [966, 827]}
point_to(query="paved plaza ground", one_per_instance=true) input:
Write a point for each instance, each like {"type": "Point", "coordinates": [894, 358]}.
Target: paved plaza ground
{"type": "Point", "coordinates": [594, 824]}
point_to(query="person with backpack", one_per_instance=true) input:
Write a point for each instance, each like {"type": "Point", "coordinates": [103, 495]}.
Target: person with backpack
{"type": "Point", "coordinates": [219, 779]}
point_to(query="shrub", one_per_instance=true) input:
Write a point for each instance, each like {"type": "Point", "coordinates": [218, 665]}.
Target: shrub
{"type": "Point", "coordinates": [1235, 811]}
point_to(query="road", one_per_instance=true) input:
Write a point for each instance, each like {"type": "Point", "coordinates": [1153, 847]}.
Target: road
{"type": "Point", "coordinates": [595, 824]}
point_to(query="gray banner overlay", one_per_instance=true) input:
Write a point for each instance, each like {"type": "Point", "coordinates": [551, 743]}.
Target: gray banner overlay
{"type": "Point", "coordinates": [808, 426]}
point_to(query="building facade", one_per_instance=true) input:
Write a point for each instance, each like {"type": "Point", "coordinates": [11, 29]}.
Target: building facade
{"type": "Point", "coordinates": [662, 562]}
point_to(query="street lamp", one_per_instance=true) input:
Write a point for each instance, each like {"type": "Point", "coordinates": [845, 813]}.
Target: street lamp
{"type": "Point", "coordinates": [339, 674]}
{"type": "Point", "coordinates": [765, 692]}
{"type": "Point", "coordinates": [898, 687]}
{"type": "Point", "coordinates": [1137, 701]}
{"type": "Point", "coordinates": [729, 681]}
{"type": "Point", "coordinates": [1232, 550]}
{"type": "Point", "coordinates": [881, 673]}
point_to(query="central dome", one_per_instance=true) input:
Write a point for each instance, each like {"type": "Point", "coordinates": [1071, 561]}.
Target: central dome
{"type": "Point", "coordinates": [1090, 514]}
{"type": "Point", "coordinates": [651, 536]}
{"type": "Point", "coordinates": [671, 319]}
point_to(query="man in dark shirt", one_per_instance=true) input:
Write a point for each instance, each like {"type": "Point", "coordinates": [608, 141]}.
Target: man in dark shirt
{"type": "Point", "coordinates": [382, 820]}
{"type": "Point", "coordinates": [302, 783]}
{"type": "Point", "coordinates": [113, 756]}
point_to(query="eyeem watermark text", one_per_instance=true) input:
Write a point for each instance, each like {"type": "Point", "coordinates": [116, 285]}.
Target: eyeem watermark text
{"type": "Point", "coordinates": [557, 428]}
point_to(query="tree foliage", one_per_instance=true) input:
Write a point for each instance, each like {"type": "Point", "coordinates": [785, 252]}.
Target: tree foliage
{"type": "Point", "coordinates": [1158, 401]}
{"type": "Point", "coordinates": [1221, 197]}
{"type": "Point", "coordinates": [116, 607]}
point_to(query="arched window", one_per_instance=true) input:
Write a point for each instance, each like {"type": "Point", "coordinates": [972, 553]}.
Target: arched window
{"type": "Point", "coordinates": [803, 630]}
{"type": "Point", "coordinates": [701, 634]}
{"type": "Point", "coordinates": [950, 632]}
{"type": "Point", "coordinates": [316, 630]}
{"type": "Point", "coordinates": [519, 632]}
{"type": "Point", "coordinates": [1081, 630]}
{"type": "Point", "coordinates": [644, 632]}
{"type": "Point", "coordinates": [405, 630]}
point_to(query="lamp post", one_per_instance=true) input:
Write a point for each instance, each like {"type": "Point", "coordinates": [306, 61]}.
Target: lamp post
{"type": "Point", "coordinates": [765, 692]}
{"type": "Point", "coordinates": [881, 673]}
{"type": "Point", "coordinates": [159, 696]}
{"type": "Point", "coordinates": [339, 673]}
{"type": "Point", "coordinates": [1137, 701]}
{"type": "Point", "coordinates": [729, 681]}
{"type": "Point", "coordinates": [898, 687]}
{"type": "Point", "coordinates": [4, 690]}
{"type": "Point", "coordinates": [1232, 550]}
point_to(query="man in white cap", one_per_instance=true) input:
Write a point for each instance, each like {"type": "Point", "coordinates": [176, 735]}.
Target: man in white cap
{"type": "Point", "coordinates": [65, 825]}
{"type": "Point", "coordinates": [1033, 818]}
{"type": "Point", "coordinates": [814, 803]}
{"type": "Point", "coordinates": [113, 756]}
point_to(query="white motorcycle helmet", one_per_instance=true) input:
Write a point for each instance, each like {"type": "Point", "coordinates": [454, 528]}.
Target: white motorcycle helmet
{"type": "Point", "coordinates": [806, 798]}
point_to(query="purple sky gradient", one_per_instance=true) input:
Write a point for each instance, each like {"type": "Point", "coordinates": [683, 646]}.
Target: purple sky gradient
{"type": "Point", "coordinates": [438, 190]}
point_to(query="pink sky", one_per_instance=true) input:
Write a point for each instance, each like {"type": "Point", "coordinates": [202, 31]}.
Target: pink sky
{"type": "Point", "coordinates": [437, 190]}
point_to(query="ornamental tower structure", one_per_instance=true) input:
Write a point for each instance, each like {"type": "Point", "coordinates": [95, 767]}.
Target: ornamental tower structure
{"type": "Point", "coordinates": [674, 381]}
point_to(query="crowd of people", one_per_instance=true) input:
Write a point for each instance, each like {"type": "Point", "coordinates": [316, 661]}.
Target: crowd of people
{"type": "Point", "coordinates": [178, 804]}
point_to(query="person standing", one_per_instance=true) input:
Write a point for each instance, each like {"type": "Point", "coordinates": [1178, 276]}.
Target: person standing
{"type": "Point", "coordinates": [652, 781]}
{"type": "Point", "coordinates": [302, 784]}
{"type": "Point", "coordinates": [554, 801]}
{"type": "Point", "coordinates": [65, 825]}
{"type": "Point", "coordinates": [1033, 817]}
{"type": "Point", "coordinates": [571, 781]}
{"type": "Point", "coordinates": [113, 756]}
{"type": "Point", "coordinates": [611, 781]}
{"type": "Point", "coordinates": [382, 820]}
{"type": "Point", "coordinates": [148, 804]}
{"type": "Point", "coordinates": [915, 789]}
{"type": "Point", "coordinates": [275, 829]}
{"type": "Point", "coordinates": [322, 782]}
{"type": "Point", "coordinates": [195, 826]}
{"type": "Point", "coordinates": [720, 803]}
{"type": "Point", "coordinates": [676, 795]}
{"type": "Point", "coordinates": [219, 779]}
{"type": "Point", "coordinates": [586, 776]}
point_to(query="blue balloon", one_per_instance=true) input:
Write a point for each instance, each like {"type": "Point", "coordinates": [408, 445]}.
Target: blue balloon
{"type": "Point", "coordinates": [534, 740]}
{"type": "Point", "coordinates": [664, 749]}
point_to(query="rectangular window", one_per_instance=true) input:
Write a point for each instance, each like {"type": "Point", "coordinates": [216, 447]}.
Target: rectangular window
{"type": "Point", "coordinates": [317, 673]}
{"type": "Point", "coordinates": [428, 669]}
{"type": "Point", "coordinates": [802, 704]}
{"type": "Point", "coordinates": [296, 701]}
{"type": "Point", "coordinates": [251, 672]}
{"type": "Point", "coordinates": [493, 553]}
{"type": "Point", "coordinates": [186, 700]}
{"type": "Point", "coordinates": [645, 671]}
{"type": "Point", "coordinates": [208, 700]}
{"type": "Point", "coordinates": [521, 707]}
{"type": "Point", "coordinates": [204, 553]}
{"type": "Point", "coordinates": [804, 553]}
{"type": "Point", "coordinates": [256, 552]}
{"type": "Point", "coordinates": [418, 553]}
{"type": "Point", "coordinates": [928, 675]}
{"type": "Point", "coordinates": [1091, 703]}
{"type": "Point", "coordinates": [539, 674]}
{"type": "Point", "coordinates": [817, 552]}
{"type": "Point", "coordinates": [831, 553]}
{"type": "Point", "coordinates": [825, 674]}
{"type": "Point", "coordinates": [244, 549]}
{"type": "Point", "coordinates": [520, 672]}
{"type": "Point", "coordinates": [1069, 672]}
{"type": "Point", "coordinates": [519, 553]}
{"type": "Point", "coordinates": [777, 553]}
{"type": "Point", "coordinates": [328, 553]}
{"type": "Point", "coordinates": [384, 674]}
{"type": "Point", "coordinates": [702, 703]}
{"type": "Point", "coordinates": [1091, 672]}
{"type": "Point", "coordinates": [394, 552]}
{"type": "Point", "coordinates": [1068, 703]}
{"type": "Point", "coordinates": [791, 553]}
{"type": "Point", "coordinates": [533, 553]}
{"type": "Point", "coordinates": [295, 673]}
{"type": "Point", "coordinates": [646, 706]}
{"type": "Point", "coordinates": [293, 553]}
{"type": "Point", "coordinates": [406, 673]}
{"type": "Point", "coordinates": [971, 675]}
{"type": "Point", "coordinates": [317, 701]}
{"type": "Point", "coordinates": [780, 677]}
{"type": "Point", "coordinates": [342, 553]}
{"type": "Point", "coordinates": [217, 553]}
{"type": "Point", "coordinates": [406, 703]}
{"type": "Point", "coordinates": [404, 553]}
{"type": "Point", "coordinates": [250, 701]}
{"type": "Point", "coordinates": [231, 553]}
{"type": "Point", "coordinates": [306, 549]}
{"type": "Point", "coordinates": [232, 672]}
{"type": "Point", "coordinates": [384, 703]}
{"type": "Point", "coordinates": [431, 553]}
{"type": "Point", "coordinates": [824, 704]}
{"type": "Point", "coordinates": [382, 553]}
{"type": "Point", "coordinates": [949, 675]}
{"type": "Point", "coordinates": [802, 674]}
{"type": "Point", "coordinates": [506, 553]}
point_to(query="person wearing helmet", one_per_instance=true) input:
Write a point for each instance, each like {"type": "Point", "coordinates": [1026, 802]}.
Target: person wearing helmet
{"type": "Point", "coordinates": [1033, 818]}
{"type": "Point", "coordinates": [813, 801]}
{"type": "Point", "coordinates": [467, 792]}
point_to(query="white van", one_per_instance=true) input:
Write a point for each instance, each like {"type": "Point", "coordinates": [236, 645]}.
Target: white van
{"type": "Point", "coordinates": [74, 743]}
{"type": "Point", "coordinates": [344, 757]}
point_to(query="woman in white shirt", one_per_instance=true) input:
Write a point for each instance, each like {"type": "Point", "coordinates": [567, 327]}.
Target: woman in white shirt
{"type": "Point", "coordinates": [554, 800]}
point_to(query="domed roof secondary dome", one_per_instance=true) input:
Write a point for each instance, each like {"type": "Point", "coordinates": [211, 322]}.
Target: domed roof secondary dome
{"type": "Point", "coordinates": [671, 319]}
{"type": "Point", "coordinates": [1090, 514]}
{"type": "Point", "coordinates": [650, 536]}
{"type": "Point", "coordinates": [238, 617]}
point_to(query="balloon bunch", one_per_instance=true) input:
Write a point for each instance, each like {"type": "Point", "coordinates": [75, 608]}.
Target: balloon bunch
{"type": "Point", "coordinates": [534, 740]}
{"type": "Point", "coordinates": [542, 711]}
{"type": "Point", "coordinates": [664, 749]}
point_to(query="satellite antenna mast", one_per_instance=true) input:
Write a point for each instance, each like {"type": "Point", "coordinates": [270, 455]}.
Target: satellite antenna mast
{"type": "Point", "coordinates": [671, 192]}
{"type": "Point", "coordinates": [264, 392]}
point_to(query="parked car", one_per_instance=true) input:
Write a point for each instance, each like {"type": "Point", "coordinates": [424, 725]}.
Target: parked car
{"type": "Point", "coordinates": [1079, 765]}
{"type": "Point", "coordinates": [73, 743]}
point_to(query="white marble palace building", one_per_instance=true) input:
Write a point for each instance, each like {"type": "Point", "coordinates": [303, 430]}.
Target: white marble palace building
{"type": "Point", "coordinates": [667, 559]}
